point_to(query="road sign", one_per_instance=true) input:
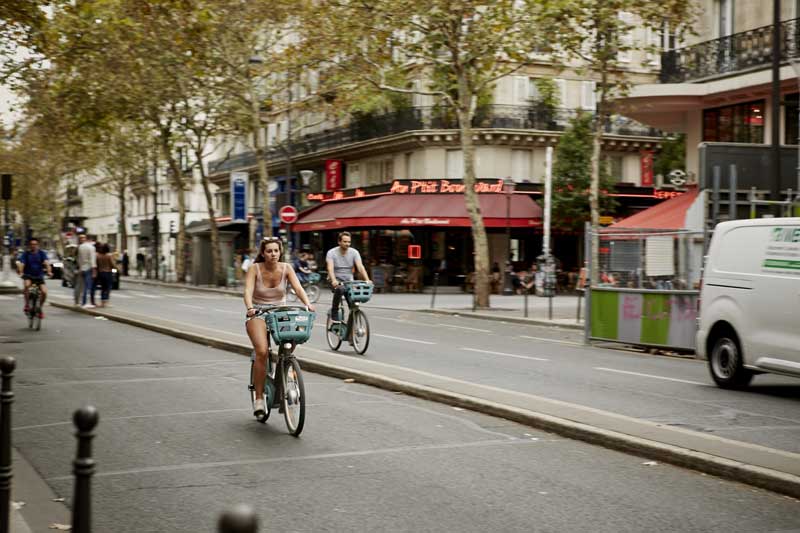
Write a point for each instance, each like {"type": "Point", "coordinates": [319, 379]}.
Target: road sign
{"type": "Point", "coordinates": [288, 214]}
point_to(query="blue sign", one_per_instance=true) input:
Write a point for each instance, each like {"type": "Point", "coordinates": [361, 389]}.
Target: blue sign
{"type": "Point", "coordinates": [239, 196]}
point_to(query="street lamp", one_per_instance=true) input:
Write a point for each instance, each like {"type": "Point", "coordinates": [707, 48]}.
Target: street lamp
{"type": "Point", "coordinates": [508, 189]}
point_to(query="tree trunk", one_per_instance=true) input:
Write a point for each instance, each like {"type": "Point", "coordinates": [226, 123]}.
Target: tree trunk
{"type": "Point", "coordinates": [218, 274]}
{"type": "Point", "coordinates": [263, 175]}
{"type": "Point", "coordinates": [480, 242]}
{"type": "Point", "coordinates": [596, 161]}
{"type": "Point", "coordinates": [178, 185]}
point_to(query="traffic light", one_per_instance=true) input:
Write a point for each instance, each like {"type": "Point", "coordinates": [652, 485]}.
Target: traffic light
{"type": "Point", "coordinates": [172, 228]}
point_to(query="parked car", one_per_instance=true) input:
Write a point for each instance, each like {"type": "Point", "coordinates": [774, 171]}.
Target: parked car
{"type": "Point", "coordinates": [749, 299]}
{"type": "Point", "coordinates": [56, 264]}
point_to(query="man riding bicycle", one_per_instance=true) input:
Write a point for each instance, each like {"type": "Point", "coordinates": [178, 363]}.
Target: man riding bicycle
{"type": "Point", "coordinates": [340, 262]}
{"type": "Point", "coordinates": [31, 266]}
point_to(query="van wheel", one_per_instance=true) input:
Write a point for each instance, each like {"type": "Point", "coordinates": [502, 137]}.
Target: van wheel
{"type": "Point", "coordinates": [725, 362]}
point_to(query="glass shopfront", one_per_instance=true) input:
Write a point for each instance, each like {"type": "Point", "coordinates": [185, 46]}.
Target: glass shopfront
{"type": "Point", "coordinates": [741, 123]}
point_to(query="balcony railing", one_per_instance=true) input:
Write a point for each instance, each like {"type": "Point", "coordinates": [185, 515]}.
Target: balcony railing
{"type": "Point", "coordinates": [370, 127]}
{"type": "Point", "coordinates": [727, 55]}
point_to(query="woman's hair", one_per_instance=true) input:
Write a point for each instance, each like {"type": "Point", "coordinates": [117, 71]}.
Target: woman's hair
{"type": "Point", "coordinates": [264, 242]}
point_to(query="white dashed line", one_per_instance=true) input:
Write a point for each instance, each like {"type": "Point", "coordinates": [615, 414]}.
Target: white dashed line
{"type": "Point", "coordinates": [465, 327]}
{"type": "Point", "coordinates": [551, 340]}
{"type": "Point", "coordinates": [651, 376]}
{"type": "Point", "coordinates": [402, 339]}
{"type": "Point", "coordinates": [506, 354]}
{"type": "Point", "coordinates": [193, 306]}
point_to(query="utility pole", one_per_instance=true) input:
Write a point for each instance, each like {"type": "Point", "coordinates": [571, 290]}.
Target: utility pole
{"type": "Point", "coordinates": [156, 231]}
{"type": "Point", "coordinates": [775, 182]}
{"type": "Point", "coordinates": [5, 184]}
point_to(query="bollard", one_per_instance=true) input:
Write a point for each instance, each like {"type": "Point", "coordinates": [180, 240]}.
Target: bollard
{"type": "Point", "coordinates": [550, 307]}
{"type": "Point", "coordinates": [527, 291]}
{"type": "Point", "coordinates": [240, 519]}
{"type": "Point", "coordinates": [85, 420]}
{"type": "Point", "coordinates": [580, 297]}
{"type": "Point", "coordinates": [7, 365]}
{"type": "Point", "coordinates": [435, 288]}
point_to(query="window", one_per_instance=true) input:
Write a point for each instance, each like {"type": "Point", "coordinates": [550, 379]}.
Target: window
{"type": "Point", "coordinates": [626, 39]}
{"type": "Point", "coordinates": [520, 165]}
{"type": "Point", "coordinates": [792, 119]}
{"type": "Point", "coordinates": [521, 84]}
{"type": "Point", "coordinates": [615, 167]}
{"type": "Point", "coordinates": [741, 123]}
{"type": "Point", "coordinates": [561, 91]}
{"type": "Point", "coordinates": [454, 164]}
{"type": "Point", "coordinates": [588, 89]}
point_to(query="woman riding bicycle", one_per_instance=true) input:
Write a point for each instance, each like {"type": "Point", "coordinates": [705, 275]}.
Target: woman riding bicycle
{"type": "Point", "coordinates": [265, 284]}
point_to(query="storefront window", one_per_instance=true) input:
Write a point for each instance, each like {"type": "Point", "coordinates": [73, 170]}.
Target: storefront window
{"type": "Point", "coordinates": [792, 118]}
{"type": "Point", "coordinates": [741, 123]}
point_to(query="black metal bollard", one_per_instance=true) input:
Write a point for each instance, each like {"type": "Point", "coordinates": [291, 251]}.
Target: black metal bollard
{"type": "Point", "coordinates": [435, 288]}
{"type": "Point", "coordinates": [7, 365]}
{"type": "Point", "coordinates": [580, 297]}
{"type": "Point", "coordinates": [240, 519]}
{"type": "Point", "coordinates": [85, 420]}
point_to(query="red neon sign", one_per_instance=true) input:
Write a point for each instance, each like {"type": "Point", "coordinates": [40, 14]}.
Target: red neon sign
{"type": "Point", "coordinates": [415, 251]}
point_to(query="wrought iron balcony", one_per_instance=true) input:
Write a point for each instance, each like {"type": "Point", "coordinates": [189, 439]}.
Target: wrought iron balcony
{"type": "Point", "coordinates": [747, 50]}
{"type": "Point", "coordinates": [364, 128]}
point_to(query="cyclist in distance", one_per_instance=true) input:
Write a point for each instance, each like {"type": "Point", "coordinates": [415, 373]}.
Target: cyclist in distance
{"type": "Point", "coordinates": [265, 284]}
{"type": "Point", "coordinates": [340, 262]}
{"type": "Point", "coordinates": [31, 266]}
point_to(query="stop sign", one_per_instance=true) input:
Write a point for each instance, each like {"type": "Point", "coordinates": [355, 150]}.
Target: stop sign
{"type": "Point", "coordinates": [288, 214]}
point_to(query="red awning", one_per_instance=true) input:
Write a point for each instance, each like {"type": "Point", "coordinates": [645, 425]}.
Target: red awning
{"type": "Point", "coordinates": [668, 215]}
{"type": "Point", "coordinates": [420, 210]}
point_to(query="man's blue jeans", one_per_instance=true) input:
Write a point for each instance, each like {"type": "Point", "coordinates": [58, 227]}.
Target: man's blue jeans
{"type": "Point", "coordinates": [88, 288]}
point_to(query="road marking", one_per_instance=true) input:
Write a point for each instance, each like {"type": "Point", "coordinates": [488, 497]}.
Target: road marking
{"type": "Point", "coordinates": [116, 381]}
{"type": "Point", "coordinates": [11, 297]}
{"type": "Point", "coordinates": [242, 313]}
{"type": "Point", "coordinates": [506, 354]}
{"type": "Point", "coordinates": [193, 306]}
{"type": "Point", "coordinates": [304, 458]}
{"type": "Point", "coordinates": [145, 295]}
{"type": "Point", "coordinates": [123, 296]}
{"type": "Point", "coordinates": [651, 376]}
{"type": "Point", "coordinates": [465, 327]}
{"type": "Point", "coordinates": [402, 339]}
{"type": "Point", "coordinates": [54, 294]}
{"type": "Point", "coordinates": [551, 340]}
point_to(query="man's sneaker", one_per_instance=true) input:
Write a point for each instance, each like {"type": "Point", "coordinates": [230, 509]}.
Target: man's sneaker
{"type": "Point", "coordinates": [89, 306]}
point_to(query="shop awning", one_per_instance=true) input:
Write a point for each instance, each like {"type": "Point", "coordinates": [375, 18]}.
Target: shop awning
{"type": "Point", "coordinates": [681, 212]}
{"type": "Point", "coordinates": [420, 210]}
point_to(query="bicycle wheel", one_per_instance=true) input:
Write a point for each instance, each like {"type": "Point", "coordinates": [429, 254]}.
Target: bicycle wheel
{"type": "Point", "coordinates": [360, 334]}
{"type": "Point", "coordinates": [32, 299]}
{"type": "Point", "coordinates": [37, 321]}
{"type": "Point", "coordinates": [294, 396]}
{"type": "Point", "coordinates": [313, 293]}
{"type": "Point", "coordinates": [291, 296]}
{"type": "Point", "coordinates": [332, 334]}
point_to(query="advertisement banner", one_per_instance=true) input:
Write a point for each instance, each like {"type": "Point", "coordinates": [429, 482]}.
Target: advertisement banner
{"type": "Point", "coordinates": [647, 318]}
{"type": "Point", "coordinates": [239, 196]}
{"type": "Point", "coordinates": [646, 161]}
{"type": "Point", "coordinates": [333, 174]}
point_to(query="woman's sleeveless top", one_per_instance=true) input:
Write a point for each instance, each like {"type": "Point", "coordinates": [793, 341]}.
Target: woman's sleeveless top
{"type": "Point", "coordinates": [263, 295]}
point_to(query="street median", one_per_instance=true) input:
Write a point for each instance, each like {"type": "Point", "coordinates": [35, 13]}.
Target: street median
{"type": "Point", "coordinates": [768, 468]}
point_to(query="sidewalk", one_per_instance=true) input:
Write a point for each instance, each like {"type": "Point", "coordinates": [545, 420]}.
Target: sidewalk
{"type": "Point", "coordinates": [505, 308]}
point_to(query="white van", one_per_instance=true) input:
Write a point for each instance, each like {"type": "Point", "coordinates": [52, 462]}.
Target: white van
{"type": "Point", "coordinates": [750, 301]}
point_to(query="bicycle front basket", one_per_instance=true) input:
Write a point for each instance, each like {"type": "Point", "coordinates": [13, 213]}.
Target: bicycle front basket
{"type": "Point", "coordinates": [313, 277]}
{"type": "Point", "coordinates": [290, 325]}
{"type": "Point", "coordinates": [359, 291]}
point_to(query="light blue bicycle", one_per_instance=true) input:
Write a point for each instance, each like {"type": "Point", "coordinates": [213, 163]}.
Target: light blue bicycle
{"type": "Point", "coordinates": [283, 388]}
{"type": "Point", "coordinates": [355, 329]}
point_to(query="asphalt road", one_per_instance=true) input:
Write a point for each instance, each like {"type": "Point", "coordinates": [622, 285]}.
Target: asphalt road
{"type": "Point", "coordinates": [545, 361]}
{"type": "Point", "coordinates": [176, 444]}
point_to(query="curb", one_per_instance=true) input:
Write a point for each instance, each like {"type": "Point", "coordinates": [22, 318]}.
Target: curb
{"type": "Point", "coordinates": [484, 316]}
{"type": "Point", "coordinates": [764, 478]}
{"type": "Point", "coordinates": [502, 318]}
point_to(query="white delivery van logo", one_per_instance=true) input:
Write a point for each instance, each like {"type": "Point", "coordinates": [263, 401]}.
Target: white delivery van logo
{"type": "Point", "coordinates": [783, 251]}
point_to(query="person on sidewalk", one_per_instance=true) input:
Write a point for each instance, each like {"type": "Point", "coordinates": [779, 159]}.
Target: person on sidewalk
{"type": "Point", "coordinates": [265, 284]}
{"type": "Point", "coordinates": [341, 261]}
{"type": "Point", "coordinates": [140, 263]}
{"type": "Point", "coordinates": [87, 266]}
{"type": "Point", "coordinates": [105, 264]}
{"type": "Point", "coordinates": [126, 260]}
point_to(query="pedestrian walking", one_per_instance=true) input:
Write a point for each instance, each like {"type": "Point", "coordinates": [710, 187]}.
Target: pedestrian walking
{"type": "Point", "coordinates": [125, 262]}
{"type": "Point", "coordinates": [87, 266]}
{"type": "Point", "coordinates": [140, 263]}
{"type": "Point", "coordinates": [105, 264]}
